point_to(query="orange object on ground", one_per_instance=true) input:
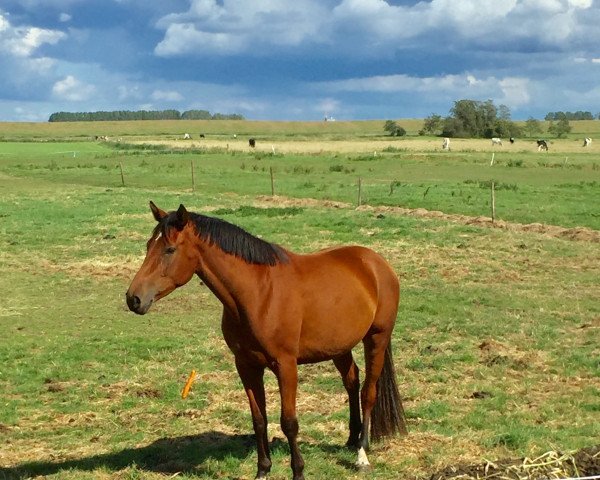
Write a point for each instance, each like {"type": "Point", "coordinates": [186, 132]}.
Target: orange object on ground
{"type": "Point", "coordinates": [188, 384]}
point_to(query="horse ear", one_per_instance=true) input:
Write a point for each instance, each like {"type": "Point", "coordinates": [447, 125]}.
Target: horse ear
{"type": "Point", "coordinates": [157, 212]}
{"type": "Point", "coordinates": [182, 217]}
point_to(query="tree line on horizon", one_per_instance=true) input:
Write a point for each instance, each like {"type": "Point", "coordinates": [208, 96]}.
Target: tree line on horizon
{"type": "Point", "coordinates": [578, 115]}
{"type": "Point", "coordinates": [124, 115]}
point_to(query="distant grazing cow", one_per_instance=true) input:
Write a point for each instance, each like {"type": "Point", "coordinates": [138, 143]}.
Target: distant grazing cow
{"type": "Point", "coordinates": [201, 135]}
{"type": "Point", "coordinates": [104, 138]}
{"type": "Point", "coordinates": [587, 141]}
{"type": "Point", "coordinates": [252, 142]}
{"type": "Point", "coordinates": [542, 145]}
{"type": "Point", "coordinates": [512, 140]}
{"type": "Point", "coordinates": [496, 141]}
{"type": "Point", "coordinates": [186, 136]}
{"type": "Point", "coordinates": [446, 144]}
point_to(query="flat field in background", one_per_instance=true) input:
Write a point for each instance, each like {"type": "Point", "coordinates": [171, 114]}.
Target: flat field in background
{"type": "Point", "coordinates": [498, 334]}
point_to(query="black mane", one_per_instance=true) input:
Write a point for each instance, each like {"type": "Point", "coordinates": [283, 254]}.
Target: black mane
{"type": "Point", "coordinates": [231, 239]}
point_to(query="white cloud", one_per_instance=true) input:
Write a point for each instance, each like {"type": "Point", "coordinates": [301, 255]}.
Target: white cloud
{"type": "Point", "coordinates": [72, 89]}
{"type": "Point", "coordinates": [368, 27]}
{"type": "Point", "coordinates": [236, 26]}
{"type": "Point", "coordinates": [184, 38]}
{"type": "Point", "coordinates": [24, 41]}
{"type": "Point", "coordinates": [64, 17]}
{"type": "Point", "coordinates": [581, 3]}
{"type": "Point", "coordinates": [515, 91]}
{"type": "Point", "coordinates": [166, 96]}
{"type": "Point", "coordinates": [512, 91]}
{"type": "Point", "coordinates": [127, 92]}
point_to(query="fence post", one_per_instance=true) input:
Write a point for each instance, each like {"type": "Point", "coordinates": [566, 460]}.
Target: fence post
{"type": "Point", "coordinates": [193, 179]}
{"type": "Point", "coordinates": [359, 191]}
{"type": "Point", "coordinates": [272, 182]}
{"type": "Point", "coordinates": [492, 162]}
{"type": "Point", "coordinates": [493, 203]}
{"type": "Point", "coordinates": [122, 177]}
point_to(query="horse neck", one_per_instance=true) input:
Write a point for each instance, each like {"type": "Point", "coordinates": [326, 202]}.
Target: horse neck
{"type": "Point", "coordinates": [231, 279]}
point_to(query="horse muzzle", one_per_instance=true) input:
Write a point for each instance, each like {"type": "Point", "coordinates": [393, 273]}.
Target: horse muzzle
{"type": "Point", "coordinates": [136, 305]}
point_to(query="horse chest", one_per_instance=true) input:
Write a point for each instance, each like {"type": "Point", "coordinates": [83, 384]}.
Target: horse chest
{"type": "Point", "coordinates": [243, 342]}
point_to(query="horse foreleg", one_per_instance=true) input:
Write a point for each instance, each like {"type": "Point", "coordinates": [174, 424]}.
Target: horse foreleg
{"type": "Point", "coordinates": [350, 376]}
{"type": "Point", "coordinates": [252, 378]}
{"type": "Point", "coordinates": [287, 377]}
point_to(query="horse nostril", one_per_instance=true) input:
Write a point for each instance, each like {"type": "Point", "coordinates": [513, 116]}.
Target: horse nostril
{"type": "Point", "coordinates": [133, 302]}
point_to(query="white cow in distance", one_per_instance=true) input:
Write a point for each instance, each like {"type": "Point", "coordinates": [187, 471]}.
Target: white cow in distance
{"type": "Point", "coordinates": [496, 141]}
{"type": "Point", "coordinates": [587, 141]}
{"type": "Point", "coordinates": [446, 144]}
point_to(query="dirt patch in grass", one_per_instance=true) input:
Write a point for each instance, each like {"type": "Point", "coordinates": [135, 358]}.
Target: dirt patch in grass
{"type": "Point", "coordinates": [582, 234]}
{"type": "Point", "coordinates": [267, 200]}
{"type": "Point", "coordinates": [97, 267]}
{"type": "Point", "coordinates": [110, 267]}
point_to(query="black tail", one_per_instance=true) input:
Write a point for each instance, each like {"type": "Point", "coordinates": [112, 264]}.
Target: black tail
{"type": "Point", "coordinates": [387, 416]}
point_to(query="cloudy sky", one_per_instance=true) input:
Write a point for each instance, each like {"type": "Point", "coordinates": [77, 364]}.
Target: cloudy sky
{"type": "Point", "coordinates": [300, 59]}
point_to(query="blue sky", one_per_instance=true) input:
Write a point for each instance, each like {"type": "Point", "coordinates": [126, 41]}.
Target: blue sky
{"type": "Point", "coordinates": [298, 60]}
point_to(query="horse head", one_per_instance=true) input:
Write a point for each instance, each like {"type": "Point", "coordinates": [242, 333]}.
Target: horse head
{"type": "Point", "coordinates": [170, 260]}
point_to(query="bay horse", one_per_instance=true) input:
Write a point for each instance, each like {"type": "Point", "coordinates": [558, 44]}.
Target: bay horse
{"type": "Point", "coordinates": [282, 309]}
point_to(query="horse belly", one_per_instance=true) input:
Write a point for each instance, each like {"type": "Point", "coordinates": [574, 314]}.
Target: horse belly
{"type": "Point", "coordinates": [333, 328]}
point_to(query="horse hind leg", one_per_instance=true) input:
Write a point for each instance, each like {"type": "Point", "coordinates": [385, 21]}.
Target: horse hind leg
{"type": "Point", "coordinates": [350, 377]}
{"type": "Point", "coordinates": [382, 410]}
{"type": "Point", "coordinates": [374, 345]}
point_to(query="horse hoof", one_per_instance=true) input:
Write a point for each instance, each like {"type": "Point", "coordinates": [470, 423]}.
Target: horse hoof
{"type": "Point", "coordinates": [364, 469]}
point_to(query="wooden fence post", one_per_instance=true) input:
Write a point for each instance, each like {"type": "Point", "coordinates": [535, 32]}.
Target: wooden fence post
{"type": "Point", "coordinates": [122, 177]}
{"type": "Point", "coordinates": [193, 179]}
{"type": "Point", "coordinates": [493, 203]}
{"type": "Point", "coordinates": [272, 182]}
{"type": "Point", "coordinates": [359, 191]}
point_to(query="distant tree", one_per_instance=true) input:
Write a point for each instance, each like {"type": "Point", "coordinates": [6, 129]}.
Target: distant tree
{"type": "Point", "coordinates": [578, 115]}
{"type": "Point", "coordinates": [533, 127]}
{"type": "Point", "coordinates": [394, 129]}
{"type": "Point", "coordinates": [503, 112]}
{"type": "Point", "coordinates": [432, 125]}
{"type": "Point", "coordinates": [506, 129]}
{"type": "Point", "coordinates": [471, 118]}
{"type": "Point", "coordinates": [454, 127]}
{"type": "Point", "coordinates": [196, 115]}
{"type": "Point", "coordinates": [560, 128]}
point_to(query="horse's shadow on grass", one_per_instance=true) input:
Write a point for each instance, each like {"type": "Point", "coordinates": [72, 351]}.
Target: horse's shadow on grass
{"type": "Point", "coordinates": [167, 455]}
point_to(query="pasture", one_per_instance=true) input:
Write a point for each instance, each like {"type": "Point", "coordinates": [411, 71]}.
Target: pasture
{"type": "Point", "coordinates": [496, 343]}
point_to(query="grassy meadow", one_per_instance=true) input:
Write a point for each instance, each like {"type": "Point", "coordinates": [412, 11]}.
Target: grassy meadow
{"type": "Point", "coordinates": [496, 343]}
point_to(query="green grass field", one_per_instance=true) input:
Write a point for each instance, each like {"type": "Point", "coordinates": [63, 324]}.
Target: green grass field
{"type": "Point", "coordinates": [496, 344]}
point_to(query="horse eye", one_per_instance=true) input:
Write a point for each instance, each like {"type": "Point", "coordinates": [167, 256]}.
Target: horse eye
{"type": "Point", "coordinates": [170, 250]}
